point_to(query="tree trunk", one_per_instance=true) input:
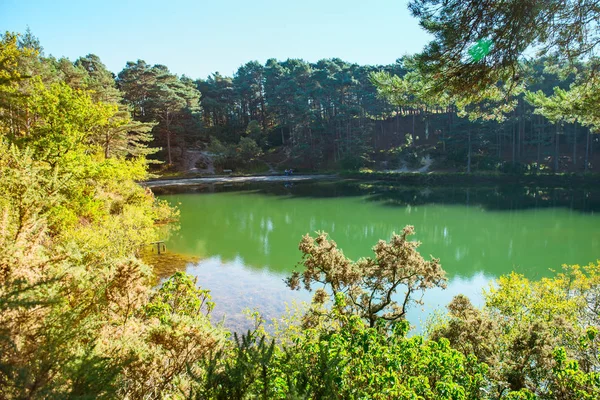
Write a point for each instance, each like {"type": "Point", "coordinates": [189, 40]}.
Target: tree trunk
{"type": "Point", "coordinates": [169, 147]}
{"type": "Point", "coordinates": [556, 151]}
{"type": "Point", "coordinates": [469, 155]}
{"type": "Point", "coordinates": [169, 139]}
{"type": "Point", "coordinates": [106, 146]}
{"type": "Point", "coordinates": [574, 145]}
{"type": "Point", "coordinates": [443, 142]}
{"type": "Point", "coordinates": [519, 127]}
{"type": "Point", "coordinates": [499, 142]}
{"type": "Point", "coordinates": [348, 135]}
{"type": "Point", "coordinates": [513, 141]}
{"type": "Point", "coordinates": [413, 129]}
{"type": "Point", "coordinates": [587, 149]}
{"type": "Point", "coordinates": [539, 146]}
{"type": "Point", "coordinates": [263, 109]}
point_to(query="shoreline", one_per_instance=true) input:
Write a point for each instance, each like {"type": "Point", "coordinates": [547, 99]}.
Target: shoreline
{"type": "Point", "coordinates": [404, 178]}
{"type": "Point", "coordinates": [235, 179]}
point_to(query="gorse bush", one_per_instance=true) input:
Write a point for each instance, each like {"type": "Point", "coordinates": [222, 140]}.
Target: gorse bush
{"type": "Point", "coordinates": [74, 293]}
{"type": "Point", "coordinates": [368, 285]}
{"type": "Point", "coordinates": [350, 361]}
{"type": "Point", "coordinates": [538, 338]}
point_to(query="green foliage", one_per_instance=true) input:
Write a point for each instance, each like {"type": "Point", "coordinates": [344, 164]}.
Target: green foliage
{"type": "Point", "coordinates": [578, 104]}
{"type": "Point", "coordinates": [247, 149]}
{"type": "Point", "coordinates": [329, 114]}
{"type": "Point", "coordinates": [366, 287]}
{"type": "Point", "coordinates": [564, 30]}
{"type": "Point", "coordinates": [73, 222]}
{"type": "Point", "coordinates": [477, 58]}
{"type": "Point", "coordinates": [170, 102]}
{"type": "Point", "coordinates": [70, 118]}
{"type": "Point", "coordinates": [179, 295]}
{"type": "Point", "coordinates": [244, 370]}
{"type": "Point", "coordinates": [570, 381]}
{"type": "Point", "coordinates": [235, 156]}
{"type": "Point", "coordinates": [527, 331]}
{"type": "Point", "coordinates": [255, 132]}
{"type": "Point", "coordinates": [350, 362]}
{"type": "Point", "coordinates": [50, 294]}
{"type": "Point", "coordinates": [360, 362]}
{"type": "Point", "coordinates": [354, 162]}
{"type": "Point", "coordinates": [319, 112]}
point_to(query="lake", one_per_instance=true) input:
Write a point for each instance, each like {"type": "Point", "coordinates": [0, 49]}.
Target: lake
{"type": "Point", "coordinates": [246, 235]}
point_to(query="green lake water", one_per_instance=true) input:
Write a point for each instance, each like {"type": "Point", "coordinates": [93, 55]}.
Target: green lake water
{"type": "Point", "coordinates": [247, 235]}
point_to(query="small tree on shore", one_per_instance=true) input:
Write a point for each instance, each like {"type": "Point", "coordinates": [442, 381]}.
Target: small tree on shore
{"type": "Point", "coordinates": [367, 287]}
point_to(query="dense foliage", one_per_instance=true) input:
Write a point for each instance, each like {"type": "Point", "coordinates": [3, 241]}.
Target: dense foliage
{"type": "Point", "coordinates": [329, 115]}
{"type": "Point", "coordinates": [482, 51]}
{"type": "Point", "coordinates": [368, 285]}
{"type": "Point", "coordinates": [78, 317]}
{"type": "Point", "coordinates": [538, 338]}
{"type": "Point", "coordinates": [80, 313]}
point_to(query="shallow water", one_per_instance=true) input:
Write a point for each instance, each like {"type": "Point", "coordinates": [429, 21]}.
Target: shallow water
{"type": "Point", "coordinates": [247, 235]}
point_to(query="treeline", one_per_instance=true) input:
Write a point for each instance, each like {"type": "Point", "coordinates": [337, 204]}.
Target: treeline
{"type": "Point", "coordinates": [324, 115]}
{"type": "Point", "coordinates": [319, 112]}
{"type": "Point", "coordinates": [329, 114]}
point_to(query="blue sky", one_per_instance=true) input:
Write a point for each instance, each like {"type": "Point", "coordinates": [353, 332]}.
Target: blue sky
{"type": "Point", "coordinates": [199, 37]}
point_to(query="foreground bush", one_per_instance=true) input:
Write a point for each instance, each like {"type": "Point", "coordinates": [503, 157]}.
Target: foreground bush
{"type": "Point", "coordinates": [78, 315]}
{"type": "Point", "coordinates": [352, 362]}
{"type": "Point", "coordinates": [538, 338]}
{"type": "Point", "coordinates": [532, 340]}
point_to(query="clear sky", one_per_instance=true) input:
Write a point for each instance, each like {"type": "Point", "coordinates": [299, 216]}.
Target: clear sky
{"type": "Point", "coordinates": [199, 37]}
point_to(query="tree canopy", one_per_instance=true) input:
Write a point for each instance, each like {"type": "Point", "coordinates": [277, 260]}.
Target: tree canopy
{"type": "Point", "coordinates": [566, 33]}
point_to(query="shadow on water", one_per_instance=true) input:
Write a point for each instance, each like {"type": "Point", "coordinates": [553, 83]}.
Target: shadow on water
{"type": "Point", "coordinates": [496, 198]}
{"type": "Point", "coordinates": [489, 229]}
{"type": "Point", "coordinates": [246, 235]}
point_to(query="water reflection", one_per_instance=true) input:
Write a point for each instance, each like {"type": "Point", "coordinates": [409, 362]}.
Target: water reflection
{"type": "Point", "coordinates": [236, 289]}
{"type": "Point", "coordinates": [248, 236]}
{"type": "Point", "coordinates": [500, 197]}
